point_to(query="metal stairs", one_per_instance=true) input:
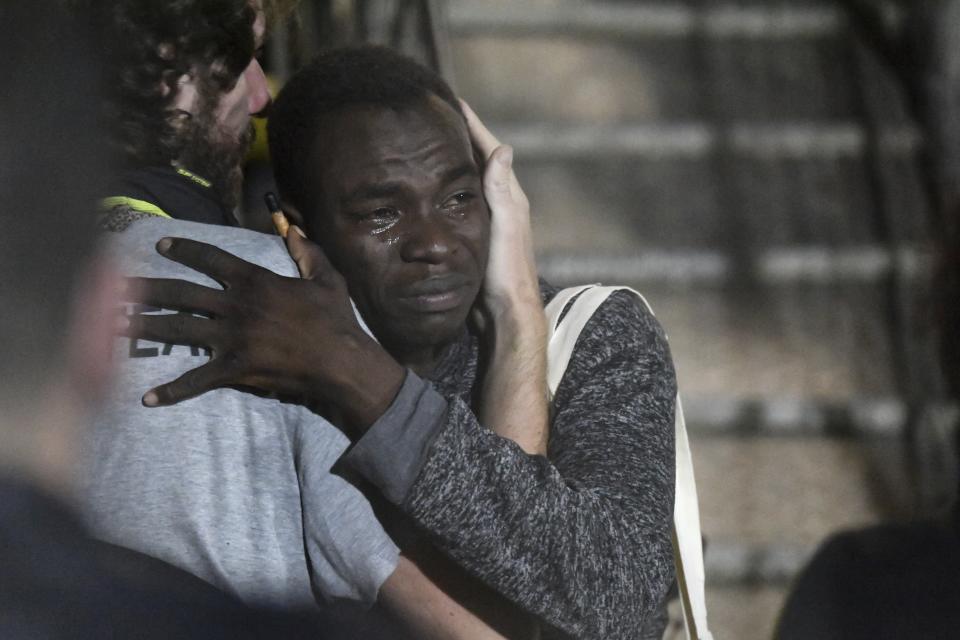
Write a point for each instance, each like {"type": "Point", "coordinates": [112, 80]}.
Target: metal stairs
{"type": "Point", "coordinates": [753, 169]}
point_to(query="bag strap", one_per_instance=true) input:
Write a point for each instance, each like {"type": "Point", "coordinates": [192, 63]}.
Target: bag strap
{"type": "Point", "coordinates": [561, 339]}
{"type": "Point", "coordinates": [688, 546]}
{"type": "Point", "coordinates": [687, 539]}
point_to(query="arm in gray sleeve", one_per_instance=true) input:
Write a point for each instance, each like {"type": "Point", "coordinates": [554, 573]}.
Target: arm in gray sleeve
{"type": "Point", "coordinates": [582, 539]}
{"type": "Point", "coordinates": [349, 553]}
{"type": "Point", "coordinates": [394, 449]}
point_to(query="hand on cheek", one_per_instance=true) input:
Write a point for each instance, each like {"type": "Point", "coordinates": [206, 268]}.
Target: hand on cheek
{"type": "Point", "coordinates": [513, 401]}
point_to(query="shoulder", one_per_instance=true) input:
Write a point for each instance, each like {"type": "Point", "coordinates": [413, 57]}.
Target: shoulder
{"type": "Point", "coordinates": [627, 312]}
{"type": "Point", "coordinates": [119, 217]}
{"type": "Point", "coordinates": [135, 245]}
{"type": "Point", "coordinates": [622, 345]}
{"type": "Point", "coordinates": [623, 320]}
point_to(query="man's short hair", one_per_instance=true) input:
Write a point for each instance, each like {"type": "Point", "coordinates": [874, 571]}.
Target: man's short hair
{"type": "Point", "coordinates": [148, 45]}
{"type": "Point", "coordinates": [51, 164]}
{"type": "Point", "coordinates": [334, 81]}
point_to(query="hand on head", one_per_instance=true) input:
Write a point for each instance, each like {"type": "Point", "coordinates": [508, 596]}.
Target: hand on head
{"type": "Point", "coordinates": [511, 277]}
{"type": "Point", "coordinates": [510, 312]}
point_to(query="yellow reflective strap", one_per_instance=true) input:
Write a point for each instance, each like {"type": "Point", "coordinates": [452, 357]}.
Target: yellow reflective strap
{"type": "Point", "coordinates": [137, 205]}
{"type": "Point", "coordinates": [203, 182]}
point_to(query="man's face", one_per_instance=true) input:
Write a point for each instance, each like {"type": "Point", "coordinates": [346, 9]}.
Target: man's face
{"type": "Point", "coordinates": [219, 133]}
{"type": "Point", "coordinates": [400, 211]}
{"type": "Point", "coordinates": [250, 95]}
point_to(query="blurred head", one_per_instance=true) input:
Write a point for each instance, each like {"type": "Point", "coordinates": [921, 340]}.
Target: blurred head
{"type": "Point", "coordinates": [56, 296]}
{"type": "Point", "coordinates": [373, 150]}
{"type": "Point", "coordinates": [184, 82]}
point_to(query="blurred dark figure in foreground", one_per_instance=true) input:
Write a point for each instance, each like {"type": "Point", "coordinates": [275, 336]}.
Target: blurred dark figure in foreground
{"type": "Point", "coordinates": [893, 580]}
{"type": "Point", "coordinates": [58, 293]}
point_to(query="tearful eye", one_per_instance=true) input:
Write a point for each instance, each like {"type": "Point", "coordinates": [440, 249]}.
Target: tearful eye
{"type": "Point", "coordinates": [459, 200]}
{"type": "Point", "coordinates": [383, 213]}
{"type": "Point", "coordinates": [381, 217]}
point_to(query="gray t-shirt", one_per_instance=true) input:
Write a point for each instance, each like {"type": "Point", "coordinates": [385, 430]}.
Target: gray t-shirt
{"type": "Point", "coordinates": [230, 486]}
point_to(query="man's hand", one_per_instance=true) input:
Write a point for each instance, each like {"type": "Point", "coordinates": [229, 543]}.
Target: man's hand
{"type": "Point", "coordinates": [290, 336]}
{"type": "Point", "coordinates": [510, 314]}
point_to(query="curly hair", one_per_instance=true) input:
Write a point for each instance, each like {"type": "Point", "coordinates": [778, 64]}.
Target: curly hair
{"type": "Point", "coordinates": [337, 79]}
{"type": "Point", "coordinates": [148, 46]}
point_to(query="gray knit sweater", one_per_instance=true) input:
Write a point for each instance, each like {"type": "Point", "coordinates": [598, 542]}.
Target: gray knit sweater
{"type": "Point", "coordinates": [582, 537]}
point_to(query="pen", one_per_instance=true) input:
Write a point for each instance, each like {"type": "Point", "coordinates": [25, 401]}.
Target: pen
{"type": "Point", "coordinates": [276, 213]}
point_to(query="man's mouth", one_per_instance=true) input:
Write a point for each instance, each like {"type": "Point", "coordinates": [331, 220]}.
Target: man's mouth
{"type": "Point", "coordinates": [437, 294]}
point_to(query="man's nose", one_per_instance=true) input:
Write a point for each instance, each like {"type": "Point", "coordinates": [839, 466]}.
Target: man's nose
{"type": "Point", "coordinates": [427, 240]}
{"type": "Point", "coordinates": [258, 92]}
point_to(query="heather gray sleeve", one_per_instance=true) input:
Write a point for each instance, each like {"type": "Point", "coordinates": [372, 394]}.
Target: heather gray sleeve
{"type": "Point", "coordinates": [581, 539]}
{"type": "Point", "coordinates": [392, 452]}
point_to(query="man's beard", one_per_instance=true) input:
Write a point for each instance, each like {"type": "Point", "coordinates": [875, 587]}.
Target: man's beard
{"type": "Point", "coordinates": [216, 154]}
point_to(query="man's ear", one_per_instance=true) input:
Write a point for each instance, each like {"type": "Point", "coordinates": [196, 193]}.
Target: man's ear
{"type": "Point", "coordinates": [91, 329]}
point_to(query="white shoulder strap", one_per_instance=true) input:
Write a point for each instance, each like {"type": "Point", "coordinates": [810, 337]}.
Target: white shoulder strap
{"type": "Point", "coordinates": [559, 303]}
{"type": "Point", "coordinates": [688, 547]}
{"type": "Point", "coordinates": [687, 540]}
{"type": "Point", "coordinates": [562, 337]}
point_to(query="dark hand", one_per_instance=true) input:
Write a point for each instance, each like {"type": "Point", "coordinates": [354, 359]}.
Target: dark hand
{"type": "Point", "coordinates": [291, 336]}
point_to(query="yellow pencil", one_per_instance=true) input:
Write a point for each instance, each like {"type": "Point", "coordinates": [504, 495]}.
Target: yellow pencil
{"type": "Point", "coordinates": [280, 221]}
